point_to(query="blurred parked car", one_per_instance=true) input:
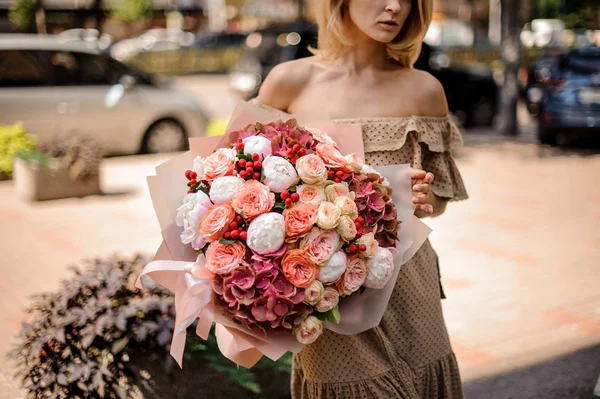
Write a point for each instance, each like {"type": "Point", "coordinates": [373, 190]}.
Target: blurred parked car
{"type": "Point", "coordinates": [568, 88]}
{"type": "Point", "coordinates": [152, 40]}
{"type": "Point", "coordinates": [219, 40]}
{"type": "Point", "coordinates": [471, 91]}
{"type": "Point", "coordinates": [57, 88]}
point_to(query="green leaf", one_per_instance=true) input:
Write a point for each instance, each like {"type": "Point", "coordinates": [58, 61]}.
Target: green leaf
{"type": "Point", "coordinates": [362, 289]}
{"type": "Point", "coordinates": [333, 315]}
{"type": "Point", "coordinates": [320, 316]}
{"type": "Point", "coordinates": [225, 241]}
{"type": "Point", "coordinates": [279, 205]}
{"type": "Point", "coordinates": [203, 189]}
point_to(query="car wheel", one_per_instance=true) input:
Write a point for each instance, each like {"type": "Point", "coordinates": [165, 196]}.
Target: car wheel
{"type": "Point", "coordinates": [482, 113]}
{"type": "Point", "coordinates": [166, 135]}
{"type": "Point", "coordinates": [546, 135]}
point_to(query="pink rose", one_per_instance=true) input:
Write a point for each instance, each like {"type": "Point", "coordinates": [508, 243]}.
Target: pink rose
{"type": "Point", "coordinates": [310, 194]}
{"type": "Point", "coordinates": [309, 330]}
{"type": "Point", "coordinates": [314, 293]}
{"type": "Point", "coordinates": [299, 220]}
{"type": "Point", "coordinates": [354, 277]}
{"type": "Point", "coordinates": [215, 222]}
{"type": "Point", "coordinates": [298, 268]}
{"type": "Point", "coordinates": [311, 169]}
{"type": "Point", "coordinates": [222, 259]}
{"type": "Point", "coordinates": [253, 199]}
{"type": "Point", "coordinates": [333, 158]}
{"type": "Point", "coordinates": [330, 300]}
{"type": "Point", "coordinates": [321, 136]}
{"type": "Point", "coordinates": [220, 163]}
{"type": "Point", "coordinates": [319, 244]}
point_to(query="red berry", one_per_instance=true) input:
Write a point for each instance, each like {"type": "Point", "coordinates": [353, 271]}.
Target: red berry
{"type": "Point", "coordinates": [242, 163]}
{"type": "Point", "coordinates": [256, 176]}
{"type": "Point", "coordinates": [255, 157]}
{"type": "Point", "coordinates": [189, 184]}
{"type": "Point", "coordinates": [296, 147]}
{"type": "Point", "coordinates": [295, 197]}
{"type": "Point", "coordinates": [240, 229]}
{"type": "Point", "coordinates": [358, 234]}
{"type": "Point", "coordinates": [243, 174]}
{"type": "Point", "coordinates": [289, 153]}
{"type": "Point", "coordinates": [227, 235]}
{"type": "Point", "coordinates": [190, 191]}
{"type": "Point", "coordinates": [257, 165]}
{"type": "Point", "coordinates": [288, 202]}
{"type": "Point", "coordinates": [239, 219]}
{"type": "Point", "coordinates": [360, 219]}
{"type": "Point", "coordinates": [339, 174]}
{"type": "Point", "coordinates": [362, 247]}
{"type": "Point", "coordinates": [294, 159]}
{"type": "Point", "coordinates": [330, 174]}
{"type": "Point", "coordinates": [187, 174]}
{"type": "Point", "coordinates": [285, 195]}
{"type": "Point", "coordinates": [337, 180]}
{"type": "Point", "coordinates": [193, 175]}
{"type": "Point", "coordinates": [239, 146]}
{"type": "Point", "coordinates": [352, 248]}
{"type": "Point", "coordinates": [233, 225]}
{"type": "Point", "coordinates": [249, 164]}
{"type": "Point", "coordinates": [302, 152]}
{"type": "Point", "coordinates": [249, 170]}
{"type": "Point", "coordinates": [235, 234]}
{"type": "Point", "coordinates": [358, 225]}
{"type": "Point", "coordinates": [193, 182]}
{"type": "Point", "coordinates": [205, 182]}
{"type": "Point", "coordinates": [243, 235]}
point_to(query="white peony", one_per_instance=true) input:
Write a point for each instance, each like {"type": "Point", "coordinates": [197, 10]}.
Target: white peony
{"type": "Point", "coordinates": [257, 145]}
{"type": "Point", "coordinates": [189, 215]}
{"type": "Point", "coordinates": [368, 169]}
{"type": "Point", "coordinates": [223, 188]}
{"type": "Point", "coordinates": [279, 174]}
{"type": "Point", "coordinates": [266, 233]}
{"type": "Point", "coordinates": [336, 266]}
{"type": "Point", "coordinates": [380, 269]}
{"type": "Point", "coordinates": [199, 167]}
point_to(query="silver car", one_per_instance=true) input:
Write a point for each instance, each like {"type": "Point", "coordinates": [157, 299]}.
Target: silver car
{"type": "Point", "coordinates": [57, 87]}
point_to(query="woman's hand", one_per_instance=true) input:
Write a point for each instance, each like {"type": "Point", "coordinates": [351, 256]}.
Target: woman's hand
{"type": "Point", "coordinates": [422, 195]}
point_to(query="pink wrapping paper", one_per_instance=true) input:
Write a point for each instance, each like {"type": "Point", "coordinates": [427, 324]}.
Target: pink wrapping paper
{"type": "Point", "coordinates": [194, 296]}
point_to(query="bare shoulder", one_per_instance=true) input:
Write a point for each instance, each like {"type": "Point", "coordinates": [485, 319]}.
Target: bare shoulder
{"type": "Point", "coordinates": [285, 82]}
{"type": "Point", "coordinates": [430, 97]}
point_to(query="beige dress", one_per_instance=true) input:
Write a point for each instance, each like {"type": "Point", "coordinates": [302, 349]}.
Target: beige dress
{"type": "Point", "coordinates": [409, 354]}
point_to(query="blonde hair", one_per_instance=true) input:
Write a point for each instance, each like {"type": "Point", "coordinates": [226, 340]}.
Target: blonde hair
{"type": "Point", "coordinates": [405, 48]}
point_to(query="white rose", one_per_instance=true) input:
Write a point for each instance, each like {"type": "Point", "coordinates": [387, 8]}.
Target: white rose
{"type": "Point", "coordinates": [381, 267]}
{"type": "Point", "coordinates": [279, 174]}
{"type": "Point", "coordinates": [355, 161]}
{"type": "Point", "coordinates": [347, 206]}
{"type": "Point", "coordinates": [371, 244]}
{"type": "Point", "coordinates": [189, 214]}
{"type": "Point", "coordinates": [199, 167]}
{"type": "Point", "coordinates": [331, 298]}
{"type": "Point", "coordinates": [328, 216]}
{"type": "Point", "coordinates": [314, 293]}
{"type": "Point", "coordinates": [223, 188]}
{"type": "Point", "coordinates": [257, 145]}
{"type": "Point", "coordinates": [309, 330]}
{"type": "Point", "coordinates": [336, 266]}
{"type": "Point", "coordinates": [346, 228]}
{"type": "Point", "coordinates": [333, 191]}
{"type": "Point", "coordinates": [266, 233]}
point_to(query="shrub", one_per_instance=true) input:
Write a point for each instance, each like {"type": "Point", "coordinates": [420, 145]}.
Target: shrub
{"type": "Point", "coordinates": [13, 139]}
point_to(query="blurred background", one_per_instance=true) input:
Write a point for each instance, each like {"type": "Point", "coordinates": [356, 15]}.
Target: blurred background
{"type": "Point", "coordinates": [95, 93]}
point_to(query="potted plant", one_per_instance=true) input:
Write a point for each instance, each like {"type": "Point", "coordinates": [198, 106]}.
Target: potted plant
{"type": "Point", "coordinates": [64, 167]}
{"type": "Point", "coordinates": [13, 139]}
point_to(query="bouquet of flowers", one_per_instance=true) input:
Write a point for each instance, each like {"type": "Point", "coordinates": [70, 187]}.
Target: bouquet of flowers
{"type": "Point", "coordinates": [285, 230]}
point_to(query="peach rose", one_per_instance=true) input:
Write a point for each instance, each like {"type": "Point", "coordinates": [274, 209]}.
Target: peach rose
{"type": "Point", "coordinates": [321, 136]}
{"type": "Point", "coordinates": [220, 163]}
{"type": "Point", "coordinates": [299, 220]}
{"type": "Point", "coordinates": [222, 258]}
{"type": "Point", "coordinates": [310, 194]}
{"type": "Point", "coordinates": [371, 244]}
{"type": "Point", "coordinates": [309, 330]}
{"type": "Point", "coordinates": [215, 222]}
{"type": "Point", "coordinates": [311, 169]}
{"type": "Point", "coordinates": [347, 206]}
{"type": "Point", "coordinates": [298, 268]}
{"type": "Point", "coordinates": [333, 158]}
{"type": "Point", "coordinates": [253, 199]}
{"type": "Point", "coordinates": [330, 300]}
{"type": "Point", "coordinates": [354, 276]}
{"type": "Point", "coordinates": [346, 228]}
{"type": "Point", "coordinates": [336, 190]}
{"type": "Point", "coordinates": [314, 293]}
{"type": "Point", "coordinates": [319, 244]}
{"type": "Point", "coordinates": [328, 216]}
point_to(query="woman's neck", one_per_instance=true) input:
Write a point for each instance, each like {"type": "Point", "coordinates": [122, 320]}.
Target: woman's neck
{"type": "Point", "coordinates": [366, 54]}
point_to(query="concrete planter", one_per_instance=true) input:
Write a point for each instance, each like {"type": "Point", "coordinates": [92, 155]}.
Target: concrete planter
{"type": "Point", "coordinates": [36, 183]}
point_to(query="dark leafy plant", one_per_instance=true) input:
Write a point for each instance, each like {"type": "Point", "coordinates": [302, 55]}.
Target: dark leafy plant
{"type": "Point", "coordinates": [80, 154]}
{"type": "Point", "coordinates": [22, 13]}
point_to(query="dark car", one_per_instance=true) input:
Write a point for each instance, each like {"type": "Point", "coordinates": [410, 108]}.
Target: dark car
{"type": "Point", "coordinates": [471, 92]}
{"type": "Point", "coordinates": [569, 95]}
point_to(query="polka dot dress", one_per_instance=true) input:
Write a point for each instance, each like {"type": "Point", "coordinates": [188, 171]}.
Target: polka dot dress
{"type": "Point", "coordinates": [409, 354]}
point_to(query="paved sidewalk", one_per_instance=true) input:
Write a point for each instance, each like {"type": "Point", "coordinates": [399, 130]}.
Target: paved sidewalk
{"type": "Point", "coordinates": [519, 259]}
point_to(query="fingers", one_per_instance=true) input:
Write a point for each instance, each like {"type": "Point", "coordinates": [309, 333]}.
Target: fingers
{"type": "Point", "coordinates": [429, 177]}
{"type": "Point", "coordinates": [422, 188]}
{"type": "Point", "coordinates": [418, 174]}
{"type": "Point", "coordinates": [426, 208]}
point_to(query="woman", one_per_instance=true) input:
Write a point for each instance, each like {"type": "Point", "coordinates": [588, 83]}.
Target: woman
{"type": "Point", "coordinates": [363, 74]}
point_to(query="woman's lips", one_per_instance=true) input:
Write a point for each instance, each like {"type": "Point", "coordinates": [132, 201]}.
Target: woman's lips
{"type": "Point", "coordinates": [389, 25]}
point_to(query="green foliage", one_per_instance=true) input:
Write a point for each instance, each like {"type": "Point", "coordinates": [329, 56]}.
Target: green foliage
{"type": "Point", "coordinates": [22, 13]}
{"type": "Point", "coordinates": [35, 157]}
{"type": "Point", "coordinates": [131, 10]}
{"type": "Point", "coordinates": [13, 139]}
